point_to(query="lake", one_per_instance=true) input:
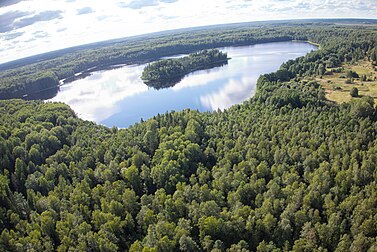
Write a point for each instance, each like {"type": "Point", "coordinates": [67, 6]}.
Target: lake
{"type": "Point", "coordinates": [119, 98]}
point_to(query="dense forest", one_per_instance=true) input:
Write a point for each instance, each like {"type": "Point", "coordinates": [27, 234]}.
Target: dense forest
{"type": "Point", "coordinates": [168, 72]}
{"type": "Point", "coordinates": [286, 170]}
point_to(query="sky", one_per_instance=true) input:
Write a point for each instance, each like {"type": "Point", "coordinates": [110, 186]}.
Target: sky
{"type": "Point", "coordinates": [30, 27]}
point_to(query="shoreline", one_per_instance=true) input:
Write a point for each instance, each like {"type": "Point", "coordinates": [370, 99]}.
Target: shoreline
{"type": "Point", "coordinates": [307, 41]}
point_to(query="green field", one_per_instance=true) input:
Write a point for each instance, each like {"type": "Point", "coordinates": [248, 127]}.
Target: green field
{"type": "Point", "coordinates": [338, 90]}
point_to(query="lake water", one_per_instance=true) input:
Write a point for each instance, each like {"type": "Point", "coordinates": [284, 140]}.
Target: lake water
{"type": "Point", "coordinates": [119, 98]}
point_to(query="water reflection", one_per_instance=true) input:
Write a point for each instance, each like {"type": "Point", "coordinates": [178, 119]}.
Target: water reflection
{"type": "Point", "coordinates": [42, 95]}
{"type": "Point", "coordinates": [95, 98]}
{"type": "Point", "coordinates": [235, 91]}
{"type": "Point", "coordinates": [202, 78]}
{"type": "Point", "coordinates": [118, 97]}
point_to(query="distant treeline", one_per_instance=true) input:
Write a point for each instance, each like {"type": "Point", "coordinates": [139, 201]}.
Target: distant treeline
{"type": "Point", "coordinates": [168, 72]}
{"type": "Point", "coordinates": [23, 80]}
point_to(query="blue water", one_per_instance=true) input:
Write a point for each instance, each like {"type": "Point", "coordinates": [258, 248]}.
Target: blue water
{"type": "Point", "coordinates": [119, 98]}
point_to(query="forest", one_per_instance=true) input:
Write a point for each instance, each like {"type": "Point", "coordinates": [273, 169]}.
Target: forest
{"type": "Point", "coordinates": [168, 72]}
{"type": "Point", "coordinates": [286, 170]}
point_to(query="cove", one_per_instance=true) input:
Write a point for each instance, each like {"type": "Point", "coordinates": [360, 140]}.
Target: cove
{"type": "Point", "coordinates": [118, 97]}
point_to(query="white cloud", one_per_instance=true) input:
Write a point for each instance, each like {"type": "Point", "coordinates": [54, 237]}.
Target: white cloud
{"type": "Point", "coordinates": [69, 22]}
{"type": "Point", "coordinates": [85, 10]}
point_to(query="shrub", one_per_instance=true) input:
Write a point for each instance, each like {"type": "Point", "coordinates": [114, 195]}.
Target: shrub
{"type": "Point", "coordinates": [354, 92]}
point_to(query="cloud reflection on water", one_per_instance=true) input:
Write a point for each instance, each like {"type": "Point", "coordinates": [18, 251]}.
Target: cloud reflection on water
{"type": "Point", "coordinates": [95, 98]}
{"type": "Point", "coordinates": [201, 78]}
{"type": "Point", "coordinates": [233, 92]}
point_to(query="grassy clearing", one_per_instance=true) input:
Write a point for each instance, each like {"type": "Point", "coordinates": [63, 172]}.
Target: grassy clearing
{"type": "Point", "coordinates": [338, 85]}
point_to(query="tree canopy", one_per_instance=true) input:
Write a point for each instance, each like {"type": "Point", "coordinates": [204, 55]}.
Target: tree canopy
{"type": "Point", "coordinates": [286, 170]}
{"type": "Point", "coordinates": [168, 72]}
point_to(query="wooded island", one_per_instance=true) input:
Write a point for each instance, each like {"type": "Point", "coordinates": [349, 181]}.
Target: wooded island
{"type": "Point", "coordinates": [168, 72]}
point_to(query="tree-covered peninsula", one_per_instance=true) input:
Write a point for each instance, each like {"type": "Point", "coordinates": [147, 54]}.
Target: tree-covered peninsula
{"type": "Point", "coordinates": [168, 72]}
